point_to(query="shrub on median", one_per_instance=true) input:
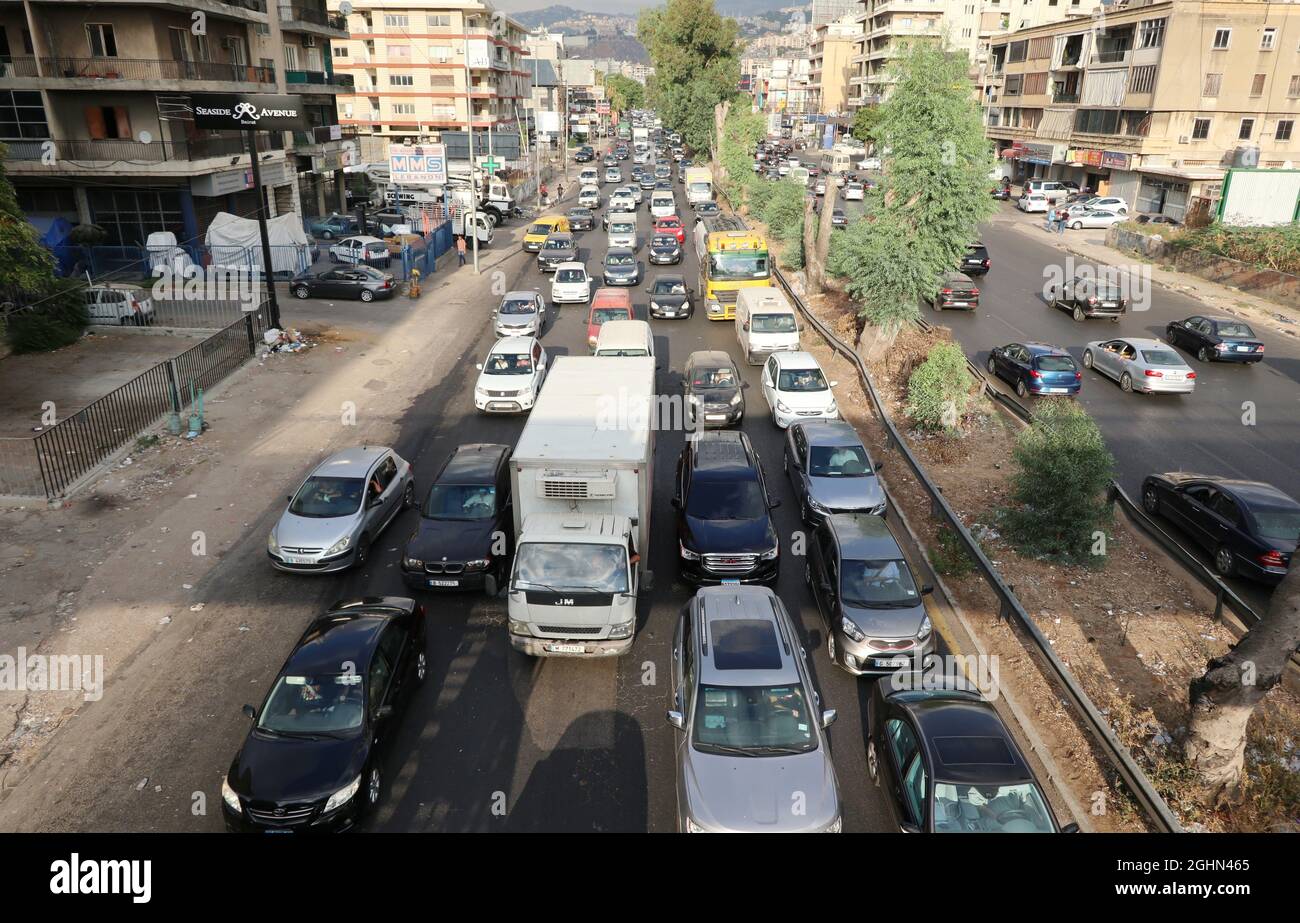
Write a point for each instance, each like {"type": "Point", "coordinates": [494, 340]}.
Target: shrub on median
{"type": "Point", "coordinates": [55, 320]}
{"type": "Point", "coordinates": [1059, 486]}
{"type": "Point", "coordinates": [938, 392]}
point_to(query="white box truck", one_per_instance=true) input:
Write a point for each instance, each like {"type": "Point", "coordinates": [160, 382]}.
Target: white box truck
{"type": "Point", "coordinates": [581, 477]}
{"type": "Point", "coordinates": [699, 185]}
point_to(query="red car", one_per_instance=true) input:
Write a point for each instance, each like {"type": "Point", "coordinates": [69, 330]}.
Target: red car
{"type": "Point", "coordinates": [606, 305]}
{"type": "Point", "coordinates": [671, 225]}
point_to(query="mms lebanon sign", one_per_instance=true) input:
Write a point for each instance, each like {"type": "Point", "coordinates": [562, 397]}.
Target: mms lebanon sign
{"type": "Point", "coordinates": [242, 111]}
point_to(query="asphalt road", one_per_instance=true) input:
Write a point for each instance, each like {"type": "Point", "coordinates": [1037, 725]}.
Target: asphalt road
{"type": "Point", "coordinates": [1203, 432]}
{"type": "Point", "coordinates": [570, 745]}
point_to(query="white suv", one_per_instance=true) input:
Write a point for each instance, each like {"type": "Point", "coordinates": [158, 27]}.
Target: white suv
{"type": "Point", "coordinates": [1053, 191]}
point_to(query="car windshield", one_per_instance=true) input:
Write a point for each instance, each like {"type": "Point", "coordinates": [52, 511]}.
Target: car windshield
{"type": "Point", "coordinates": [307, 705]}
{"type": "Point", "coordinates": [1162, 357]}
{"type": "Point", "coordinates": [579, 213]}
{"type": "Point", "coordinates": [840, 461]}
{"type": "Point", "coordinates": [571, 275]}
{"type": "Point", "coordinates": [1108, 292]}
{"type": "Point", "coordinates": [621, 227]}
{"type": "Point", "coordinates": [1054, 364]}
{"type": "Point", "coordinates": [622, 352]}
{"type": "Point", "coordinates": [722, 377]}
{"type": "Point", "coordinates": [877, 584]}
{"type": "Point", "coordinates": [509, 364]}
{"type": "Point", "coordinates": [726, 501]}
{"type": "Point", "coordinates": [965, 808]}
{"type": "Point", "coordinates": [327, 497]}
{"type": "Point", "coordinates": [669, 287]}
{"type": "Point", "coordinates": [461, 502]}
{"type": "Point", "coordinates": [541, 229]}
{"type": "Point", "coordinates": [801, 380]}
{"type": "Point", "coordinates": [756, 720]}
{"type": "Point", "coordinates": [773, 323]}
{"type": "Point", "coordinates": [619, 259]}
{"type": "Point", "coordinates": [1234, 330]}
{"type": "Point", "coordinates": [1277, 523]}
{"type": "Point", "coordinates": [600, 315]}
{"type": "Point", "coordinates": [557, 566]}
{"type": "Point", "coordinates": [518, 306]}
{"type": "Point", "coordinates": [733, 267]}
{"type": "Point", "coordinates": [558, 245]}
{"type": "Point", "coordinates": [664, 241]}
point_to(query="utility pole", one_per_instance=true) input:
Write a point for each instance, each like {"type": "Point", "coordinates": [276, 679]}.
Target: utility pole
{"type": "Point", "coordinates": [473, 179]}
{"type": "Point", "coordinates": [268, 273]}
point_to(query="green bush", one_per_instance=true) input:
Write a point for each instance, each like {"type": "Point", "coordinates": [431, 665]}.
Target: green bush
{"type": "Point", "coordinates": [56, 320]}
{"type": "Point", "coordinates": [949, 556]}
{"type": "Point", "coordinates": [1275, 248]}
{"type": "Point", "coordinates": [1059, 486]}
{"type": "Point", "coordinates": [938, 392]}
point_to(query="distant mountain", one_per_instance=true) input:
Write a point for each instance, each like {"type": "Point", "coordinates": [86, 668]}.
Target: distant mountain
{"type": "Point", "coordinates": [751, 7]}
{"type": "Point", "coordinates": [548, 16]}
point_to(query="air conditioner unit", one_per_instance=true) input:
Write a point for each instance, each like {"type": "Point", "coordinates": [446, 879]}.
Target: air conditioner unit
{"type": "Point", "coordinates": [1183, 139]}
{"type": "Point", "coordinates": [309, 41]}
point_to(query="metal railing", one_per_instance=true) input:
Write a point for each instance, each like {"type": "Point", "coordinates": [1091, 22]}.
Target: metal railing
{"type": "Point", "coordinates": [17, 66]}
{"type": "Point", "coordinates": [317, 16]}
{"type": "Point", "coordinates": [1147, 798]}
{"type": "Point", "coordinates": [155, 69]}
{"type": "Point", "coordinates": [318, 78]}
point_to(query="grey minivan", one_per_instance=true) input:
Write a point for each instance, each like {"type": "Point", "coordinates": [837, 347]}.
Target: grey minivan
{"type": "Point", "coordinates": [340, 509]}
{"type": "Point", "coordinates": [752, 755]}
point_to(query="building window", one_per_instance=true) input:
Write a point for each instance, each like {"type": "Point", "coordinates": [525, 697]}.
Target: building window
{"type": "Point", "coordinates": [1017, 51]}
{"type": "Point", "coordinates": [439, 19]}
{"type": "Point", "coordinates": [1151, 33]}
{"type": "Point", "coordinates": [22, 115]}
{"type": "Point", "coordinates": [1200, 129]}
{"type": "Point", "coordinates": [1257, 85]}
{"type": "Point", "coordinates": [397, 21]}
{"type": "Point", "coordinates": [439, 52]}
{"type": "Point", "coordinates": [402, 52]}
{"type": "Point", "coordinates": [1212, 84]}
{"type": "Point", "coordinates": [401, 80]}
{"type": "Point", "coordinates": [1284, 129]}
{"type": "Point", "coordinates": [340, 51]}
{"type": "Point", "coordinates": [1035, 84]}
{"type": "Point", "coordinates": [1014, 82]}
{"type": "Point", "coordinates": [442, 80]}
{"type": "Point", "coordinates": [1096, 121]}
{"type": "Point", "coordinates": [1142, 79]}
{"type": "Point", "coordinates": [105, 122]}
{"type": "Point", "coordinates": [1221, 39]}
{"type": "Point", "coordinates": [403, 108]}
{"type": "Point", "coordinates": [1247, 129]}
{"type": "Point", "coordinates": [1268, 39]}
{"type": "Point", "coordinates": [100, 39]}
{"type": "Point", "coordinates": [131, 215]}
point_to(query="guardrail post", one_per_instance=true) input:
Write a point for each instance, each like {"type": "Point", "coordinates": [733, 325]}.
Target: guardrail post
{"type": "Point", "coordinates": [173, 385]}
{"type": "Point", "coordinates": [248, 328]}
{"type": "Point", "coordinates": [1218, 605]}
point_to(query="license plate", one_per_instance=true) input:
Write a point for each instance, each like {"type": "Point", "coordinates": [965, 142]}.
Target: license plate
{"type": "Point", "coordinates": [566, 648]}
{"type": "Point", "coordinates": [731, 581]}
{"type": "Point", "coordinates": [277, 831]}
{"type": "Point", "coordinates": [297, 559]}
{"type": "Point", "coordinates": [960, 304]}
{"type": "Point", "coordinates": [502, 405]}
{"type": "Point", "coordinates": [891, 662]}
{"type": "Point", "coordinates": [444, 583]}
{"type": "Point", "coordinates": [715, 417]}
{"type": "Point", "coordinates": [1245, 349]}
{"type": "Point", "coordinates": [1058, 390]}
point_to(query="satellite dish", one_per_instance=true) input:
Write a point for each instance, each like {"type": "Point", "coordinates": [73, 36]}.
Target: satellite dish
{"type": "Point", "coordinates": [144, 137]}
{"type": "Point", "coordinates": [345, 8]}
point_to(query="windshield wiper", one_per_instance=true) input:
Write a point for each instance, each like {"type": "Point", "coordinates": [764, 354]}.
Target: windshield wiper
{"type": "Point", "coordinates": [724, 748]}
{"type": "Point", "coordinates": [864, 604]}
{"type": "Point", "coordinates": [781, 750]}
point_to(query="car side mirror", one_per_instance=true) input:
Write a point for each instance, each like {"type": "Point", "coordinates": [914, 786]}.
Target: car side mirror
{"type": "Point", "coordinates": [878, 466]}
{"type": "Point", "coordinates": [249, 712]}
{"type": "Point", "coordinates": [383, 711]}
{"type": "Point", "coordinates": [1070, 828]}
{"type": "Point", "coordinates": [927, 589]}
{"type": "Point", "coordinates": [909, 828]}
{"type": "Point", "coordinates": [676, 719]}
{"type": "Point", "coordinates": [676, 502]}
{"type": "Point", "coordinates": [773, 503]}
{"type": "Point", "coordinates": [375, 501]}
{"type": "Point", "coordinates": [828, 717]}
{"type": "Point", "coordinates": [479, 365]}
{"type": "Point", "coordinates": [835, 384]}
{"type": "Point", "coordinates": [745, 327]}
{"type": "Point", "coordinates": [289, 498]}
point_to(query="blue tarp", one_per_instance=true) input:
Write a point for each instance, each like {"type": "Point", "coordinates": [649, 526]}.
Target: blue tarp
{"type": "Point", "coordinates": [53, 234]}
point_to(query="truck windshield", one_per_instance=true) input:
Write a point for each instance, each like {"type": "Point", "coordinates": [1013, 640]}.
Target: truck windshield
{"type": "Point", "coordinates": [738, 267]}
{"type": "Point", "coordinates": [705, 188]}
{"type": "Point", "coordinates": [773, 323]}
{"type": "Point", "coordinates": [595, 568]}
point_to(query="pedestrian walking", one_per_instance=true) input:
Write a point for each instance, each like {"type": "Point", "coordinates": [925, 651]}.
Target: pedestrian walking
{"type": "Point", "coordinates": [460, 249]}
{"type": "Point", "coordinates": [559, 191]}
{"type": "Point", "coordinates": [546, 199]}
{"type": "Point", "coordinates": [1062, 216]}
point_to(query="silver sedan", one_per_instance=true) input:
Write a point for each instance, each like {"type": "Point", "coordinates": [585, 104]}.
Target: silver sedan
{"type": "Point", "coordinates": [1149, 366]}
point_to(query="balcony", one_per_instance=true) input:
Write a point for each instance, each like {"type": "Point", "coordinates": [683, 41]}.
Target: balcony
{"type": "Point", "coordinates": [115, 151]}
{"type": "Point", "coordinates": [300, 81]}
{"type": "Point", "coordinates": [1068, 61]}
{"type": "Point", "coordinates": [24, 66]}
{"type": "Point", "coordinates": [1111, 56]}
{"type": "Point", "coordinates": [303, 18]}
{"type": "Point", "coordinates": [94, 72]}
{"type": "Point", "coordinates": [1065, 97]}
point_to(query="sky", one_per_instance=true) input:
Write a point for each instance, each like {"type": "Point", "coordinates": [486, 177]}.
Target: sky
{"type": "Point", "coordinates": [594, 6]}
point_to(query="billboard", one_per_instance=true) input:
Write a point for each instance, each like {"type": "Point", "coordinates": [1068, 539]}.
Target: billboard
{"type": "Point", "coordinates": [418, 164]}
{"type": "Point", "coordinates": [242, 111]}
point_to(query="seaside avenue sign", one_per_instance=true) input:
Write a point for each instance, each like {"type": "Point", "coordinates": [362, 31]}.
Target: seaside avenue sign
{"type": "Point", "coordinates": [244, 111]}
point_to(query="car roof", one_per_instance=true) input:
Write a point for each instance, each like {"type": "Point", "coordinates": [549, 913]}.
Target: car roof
{"type": "Point", "coordinates": [619, 251]}
{"type": "Point", "coordinates": [560, 235]}
{"type": "Point", "coordinates": [829, 432]}
{"type": "Point", "coordinates": [364, 238]}
{"type": "Point", "coordinates": [796, 360]}
{"type": "Point", "coordinates": [1044, 349]}
{"type": "Point", "coordinates": [520, 293]}
{"type": "Point", "coordinates": [743, 641]}
{"type": "Point", "coordinates": [611, 297]}
{"type": "Point", "coordinates": [956, 277]}
{"type": "Point", "coordinates": [719, 358]}
{"type": "Point", "coordinates": [964, 737]}
{"type": "Point", "coordinates": [354, 462]}
{"type": "Point", "coordinates": [1249, 490]}
{"type": "Point", "coordinates": [335, 638]}
{"type": "Point", "coordinates": [512, 345]}
{"type": "Point", "coordinates": [862, 536]}
{"type": "Point", "coordinates": [572, 264]}
{"type": "Point", "coordinates": [473, 463]}
{"type": "Point", "coordinates": [721, 452]}
{"type": "Point", "coordinates": [1142, 342]}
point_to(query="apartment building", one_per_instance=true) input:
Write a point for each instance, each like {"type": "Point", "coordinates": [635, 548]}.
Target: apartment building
{"type": "Point", "coordinates": [1152, 101]}
{"type": "Point", "coordinates": [98, 116]}
{"type": "Point", "coordinates": [421, 67]}
{"type": "Point", "coordinates": [831, 50]}
{"type": "Point", "coordinates": [827, 11]}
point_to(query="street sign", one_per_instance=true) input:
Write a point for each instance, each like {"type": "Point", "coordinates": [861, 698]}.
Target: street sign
{"type": "Point", "coordinates": [418, 164]}
{"type": "Point", "coordinates": [245, 111]}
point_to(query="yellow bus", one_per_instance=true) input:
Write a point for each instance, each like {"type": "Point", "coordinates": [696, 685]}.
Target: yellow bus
{"type": "Point", "coordinates": [731, 257]}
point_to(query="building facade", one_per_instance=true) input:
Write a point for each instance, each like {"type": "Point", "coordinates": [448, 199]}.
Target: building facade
{"type": "Point", "coordinates": [830, 54]}
{"type": "Point", "coordinates": [98, 118]}
{"type": "Point", "coordinates": [1152, 102]}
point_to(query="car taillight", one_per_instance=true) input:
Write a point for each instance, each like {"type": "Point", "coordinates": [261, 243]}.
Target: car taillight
{"type": "Point", "coordinates": [1272, 559]}
{"type": "Point", "coordinates": [1092, 299]}
{"type": "Point", "coordinates": [946, 291]}
{"type": "Point", "coordinates": [1191, 374]}
{"type": "Point", "coordinates": [975, 293]}
{"type": "Point", "coordinates": [1220, 346]}
{"type": "Point", "coordinates": [1259, 347]}
{"type": "Point", "coordinates": [1152, 374]}
{"type": "Point", "coordinates": [986, 264]}
{"type": "Point", "coordinates": [1078, 376]}
{"type": "Point", "coordinates": [1034, 373]}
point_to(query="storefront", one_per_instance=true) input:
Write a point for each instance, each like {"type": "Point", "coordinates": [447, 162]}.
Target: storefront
{"type": "Point", "coordinates": [1086, 168]}
{"type": "Point", "coordinates": [1171, 191]}
{"type": "Point", "coordinates": [1029, 160]}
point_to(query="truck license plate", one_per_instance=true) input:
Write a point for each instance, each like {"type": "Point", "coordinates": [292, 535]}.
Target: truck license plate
{"type": "Point", "coordinates": [566, 648]}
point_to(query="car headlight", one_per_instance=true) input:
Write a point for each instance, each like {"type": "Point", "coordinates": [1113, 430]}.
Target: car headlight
{"type": "Point", "coordinates": [654, 306]}
{"type": "Point", "coordinates": [714, 307]}
{"type": "Point", "coordinates": [771, 553]}
{"type": "Point", "coordinates": [693, 827]}
{"type": "Point", "coordinates": [836, 826]}
{"type": "Point", "coordinates": [481, 393]}
{"type": "Point", "coordinates": [622, 631]}
{"type": "Point", "coordinates": [687, 554]}
{"type": "Point", "coordinates": [230, 798]}
{"type": "Point", "coordinates": [781, 408]}
{"type": "Point", "coordinates": [343, 795]}
{"type": "Point", "coordinates": [851, 630]}
{"type": "Point", "coordinates": [340, 546]}
{"type": "Point", "coordinates": [477, 566]}
{"type": "Point", "coordinates": [591, 341]}
{"type": "Point", "coordinates": [819, 507]}
{"type": "Point", "coordinates": [832, 408]}
{"type": "Point", "coordinates": [925, 629]}
{"type": "Point", "coordinates": [413, 563]}
{"type": "Point", "coordinates": [271, 544]}
{"type": "Point", "coordinates": [735, 399]}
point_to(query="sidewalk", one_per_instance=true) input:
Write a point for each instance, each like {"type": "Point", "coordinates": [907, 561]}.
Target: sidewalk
{"type": "Point", "coordinates": [1091, 245]}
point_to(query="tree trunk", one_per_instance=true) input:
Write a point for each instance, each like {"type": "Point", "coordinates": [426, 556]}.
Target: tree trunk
{"type": "Point", "coordinates": [810, 246]}
{"type": "Point", "coordinates": [1223, 700]}
{"type": "Point", "coordinates": [875, 342]}
{"type": "Point", "coordinates": [823, 244]}
{"type": "Point", "coordinates": [719, 120]}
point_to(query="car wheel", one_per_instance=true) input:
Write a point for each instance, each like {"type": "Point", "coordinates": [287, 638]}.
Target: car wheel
{"type": "Point", "coordinates": [421, 667]}
{"type": "Point", "coordinates": [1225, 564]}
{"type": "Point", "coordinates": [408, 495]}
{"type": "Point", "coordinates": [1087, 358]}
{"type": "Point", "coordinates": [326, 235]}
{"type": "Point", "coordinates": [1126, 383]}
{"type": "Point", "coordinates": [991, 366]}
{"type": "Point", "coordinates": [373, 787]}
{"type": "Point", "coordinates": [873, 762]}
{"type": "Point", "coordinates": [1078, 314]}
{"type": "Point", "coordinates": [1151, 501]}
{"type": "Point", "coordinates": [367, 295]}
{"type": "Point", "coordinates": [830, 648]}
{"type": "Point", "coordinates": [807, 574]}
{"type": "Point", "coordinates": [1203, 354]}
{"type": "Point", "coordinates": [301, 291]}
{"type": "Point", "coordinates": [1078, 226]}
{"type": "Point", "coordinates": [1021, 390]}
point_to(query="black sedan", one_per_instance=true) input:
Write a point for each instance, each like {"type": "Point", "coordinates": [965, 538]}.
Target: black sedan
{"type": "Point", "coordinates": [947, 764]}
{"type": "Point", "coordinates": [464, 536]}
{"type": "Point", "coordinates": [713, 389]}
{"type": "Point", "coordinates": [665, 250]}
{"type": "Point", "coordinates": [1086, 296]}
{"type": "Point", "coordinates": [975, 262]}
{"type": "Point", "coordinates": [670, 297]}
{"type": "Point", "coordinates": [621, 267]}
{"type": "Point", "coordinates": [1216, 339]}
{"type": "Point", "coordinates": [955, 290]}
{"type": "Point", "coordinates": [707, 209]}
{"type": "Point", "coordinates": [363, 282]}
{"type": "Point", "coordinates": [581, 219]}
{"type": "Point", "coordinates": [313, 760]}
{"type": "Point", "coordinates": [1249, 528]}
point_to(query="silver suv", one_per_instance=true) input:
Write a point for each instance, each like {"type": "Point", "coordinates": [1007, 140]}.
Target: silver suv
{"type": "Point", "coordinates": [753, 754]}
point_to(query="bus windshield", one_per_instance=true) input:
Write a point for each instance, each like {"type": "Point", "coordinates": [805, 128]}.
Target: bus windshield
{"type": "Point", "coordinates": [738, 266]}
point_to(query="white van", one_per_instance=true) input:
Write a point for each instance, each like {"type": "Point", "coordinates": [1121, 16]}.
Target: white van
{"type": "Point", "coordinates": [118, 303]}
{"type": "Point", "coordinates": [625, 338]}
{"type": "Point", "coordinates": [662, 205]}
{"type": "Point", "coordinates": [589, 177]}
{"type": "Point", "coordinates": [766, 323]}
{"type": "Point", "coordinates": [1053, 191]}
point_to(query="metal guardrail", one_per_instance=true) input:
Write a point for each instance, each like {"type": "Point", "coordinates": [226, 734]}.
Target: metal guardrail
{"type": "Point", "coordinates": [1147, 798]}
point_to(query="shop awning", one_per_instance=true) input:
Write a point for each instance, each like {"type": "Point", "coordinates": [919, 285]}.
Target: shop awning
{"type": "Point", "coordinates": [1190, 173]}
